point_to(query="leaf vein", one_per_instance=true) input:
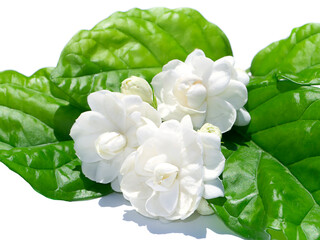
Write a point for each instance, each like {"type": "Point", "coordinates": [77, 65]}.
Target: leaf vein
{"type": "Point", "coordinates": [141, 43]}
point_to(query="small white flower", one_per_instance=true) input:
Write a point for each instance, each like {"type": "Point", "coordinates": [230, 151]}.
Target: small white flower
{"type": "Point", "coordinates": [105, 136]}
{"type": "Point", "coordinates": [208, 91]}
{"type": "Point", "coordinates": [137, 86]}
{"type": "Point", "coordinates": [172, 170]}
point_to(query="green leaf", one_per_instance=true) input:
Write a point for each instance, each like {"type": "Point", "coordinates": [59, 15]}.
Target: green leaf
{"type": "Point", "coordinates": [296, 58]}
{"type": "Point", "coordinates": [271, 178]}
{"type": "Point", "coordinates": [54, 171]}
{"type": "Point", "coordinates": [137, 42]}
{"type": "Point", "coordinates": [34, 137]}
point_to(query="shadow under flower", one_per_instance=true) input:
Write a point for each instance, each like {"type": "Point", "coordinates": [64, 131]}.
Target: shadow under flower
{"type": "Point", "coordinates": [113, 200]}
{"type": "Point", "coordinates": [195, 226]}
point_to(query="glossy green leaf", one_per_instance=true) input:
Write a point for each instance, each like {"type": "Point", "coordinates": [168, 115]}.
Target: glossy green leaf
{"type": "Point", "coordinates": [271, 178]}
{"type": "Point", "coordinates": [137, 42]}
{"type": "Point", "coordinates": [296, 58]}
{"type": "Point", "coordinates": [54, 171]}
{"type": "Point", "coordinates": [34, 137]}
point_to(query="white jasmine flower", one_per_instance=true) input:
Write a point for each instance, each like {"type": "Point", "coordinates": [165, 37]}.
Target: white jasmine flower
{"type": "Point", "coordinates": [208, 91]}
{"type": "Point", "coordinates": [172, 170]}
{"type": "Point", "coordinates": [137, 86]}
{"type": "Point", "coordinates": [105, 136]}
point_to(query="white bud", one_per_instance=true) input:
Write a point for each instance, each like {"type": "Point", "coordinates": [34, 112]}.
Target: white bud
{"type": "Point", "coordinates": [110, 144]}
{"type": "Point", "coordinates": [209, 128]}
{"type": "Point", "coordinates": [137, 86]}
{"type": "Point", "coordinates": [204, 208]}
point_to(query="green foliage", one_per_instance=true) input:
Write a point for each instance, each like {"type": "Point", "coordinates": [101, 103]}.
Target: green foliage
{"type": "Point", "coordinates": [137, 42]}
{"type": "Point", "coordinates": [271, 178]}
{"type": "Point", "coordinates": [35, 141]}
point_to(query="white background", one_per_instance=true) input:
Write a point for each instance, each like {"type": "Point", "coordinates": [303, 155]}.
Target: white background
{"type": "Point", "coordinates": [32, 35]}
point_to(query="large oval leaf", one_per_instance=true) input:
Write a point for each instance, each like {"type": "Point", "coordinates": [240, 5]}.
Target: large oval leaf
{"type": "Point", "coordinates": [54, 171]}
{"type": "Point", "coordinates": [271, 179]}
{"type": "Point", "coordinates": [296, 58]}
{"type": "Point", "coordinates": [137, 42]}
{"type": "Point", "coordinates": [32, 125]}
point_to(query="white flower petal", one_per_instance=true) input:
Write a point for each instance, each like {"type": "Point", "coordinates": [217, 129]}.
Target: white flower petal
{"type": "Point", "coordinates": [110, 144]}
{"type": "Point", "coordinates": [191, 184]}
{"type": "Point", "coordinates": [221, 114]}
{"type": "Point", "coordinates": [139, 206]}
{"type": "Point", "coordinates": [171, 65]}
{"type": "Point", "coordinates": [109, 103]}
{"type": "Point", "coordinates": [186, 205]}
{"type": "Point", "coordinates": [132, 102]}
{"type": "Point", "coordinates": [134, 187]}
{"type": "Point", "coordinates": [202, 66]}
{"type": "Point", "coordinates": [131, 135]}
{"type": "Point", "coordinates": [241, 76]}
{"type": "Point", "coordinates": [165, 110]}
{"type": "Point", "coordinates": [192, 149]}
{"type": "Point", "coordinates": [162, 204]}
{"type": "Point", "coordinates": [186, 122]}
{"type": "Point", "coordinates": [137, 109]}
{"type": "Point", "coordinates": [220, 77]}
{"type": "Point", "coordinates": [196, 96]}
{"type": "Point", "coordinates": [167, 97]}
{"type": "Point", "coordinates": [102, 171]}
{"type": "Point", "coordinates": [236, 93]}
{"type": "Point", "coordinates": [214, 168]}
{"type": "Point", "coordinates": [155, 187]}
{"type": "Point", "coordinates": [145, 132]}
{"type": "Point", "coordinates": [243, 117]}
{"type": "Point", "coordinates": [204, 208]}
{"type": "Point", "coordinates": [170, 126]}
{"type": "Point", "coordinates": [198, 119]}
{"type": "Point", "coordinates": [151, 113]}
{"type": "Point", "coordinates": [169, 199]}
{"type": "Point", "coordinates": [178, 66]}
{"type": "Point", "coordinates": [177, 112]}
{"type": "Point", "coordinates": [85, 148]}
{"type": "Point", "coordinates": [163, 82]}
{"type": "Point", "coordinates": [193, 56]}
{"type": "Point", "coordinates": [154, 161]}
{"type": "Point", "coordinates": [115, 185]}
{"type": "Point", "coordinates": [210, 140]}
{"type": "Point", "coordinates": [213, 189]}
{"type": "Point", "coordinates": [153, 207]}
{"type": "Point", "coordinates": [128, 163]}
{"type": "Point", "coordinates": [89, 123]}
{"type": "Point", "coordinates": [144, 153]}
{"type": "Point", "coordinates": [212, 156]}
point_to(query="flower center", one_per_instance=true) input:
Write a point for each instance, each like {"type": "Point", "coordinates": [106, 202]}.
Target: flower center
{"type": "Point", "coordinates": [190, 92]}
{"type": "Point", "coordinates": [165, 174]}
{"type": "Point", "coordinates": [110, 144]}
{"type": "Point", "coordinates": [196, 95]}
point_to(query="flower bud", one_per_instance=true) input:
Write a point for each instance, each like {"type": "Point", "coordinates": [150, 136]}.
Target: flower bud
{"type": "Point", "coordinates": [137, 86]}
{"type": "Point", "coordinates": [209, 128]}
{"type": "Point", "coordinates": [204, 208]}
